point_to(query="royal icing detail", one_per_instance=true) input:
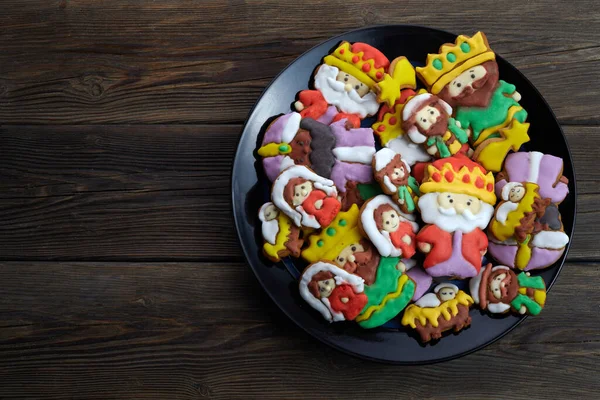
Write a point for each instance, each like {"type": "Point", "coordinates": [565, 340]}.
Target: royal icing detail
{"type": "Point", "coordinates": [498, 289]}
{"type": "Point", "coordinates": [338, 285]}
{"type": "Point", "coordinates": [390, 230]}
{"type": "Point", "coordinates": [306, 214]}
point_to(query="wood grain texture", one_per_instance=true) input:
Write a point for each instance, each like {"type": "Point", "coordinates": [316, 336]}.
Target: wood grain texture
{"type": "Point", "coordinates": [126, 61]}
{"type": "Point", "coordinates": [201, 330]}
{"type": "Point", "coordinates": [159, 192]}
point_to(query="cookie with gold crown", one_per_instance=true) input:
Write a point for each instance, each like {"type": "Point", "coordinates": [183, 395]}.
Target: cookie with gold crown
{"type": "Point", "coordinates": [465, 75]}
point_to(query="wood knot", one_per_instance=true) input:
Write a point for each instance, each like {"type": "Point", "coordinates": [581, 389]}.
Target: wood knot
{"type": "Point", "coordinates": [203, 390]}
{"type": "Point", "coordinates": [92, 85]}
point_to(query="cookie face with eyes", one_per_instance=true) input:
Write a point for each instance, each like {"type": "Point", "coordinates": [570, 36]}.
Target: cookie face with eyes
{"type": "Point", "coordinates": [500, 290]}
{"type": "Point", "coordinates": [337, 294]}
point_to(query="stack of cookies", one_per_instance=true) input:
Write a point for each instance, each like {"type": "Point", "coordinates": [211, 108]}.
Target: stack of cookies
{"type": "Point", "coordinates": [401, 232]}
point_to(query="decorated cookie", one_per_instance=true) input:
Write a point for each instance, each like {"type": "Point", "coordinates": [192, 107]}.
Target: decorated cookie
{"type": "Point", "coordinates": [457, 198]}
{"type": "Point", "coordinates": [389, 129]}
{"type": "Point", "coordinates": [338, 295]}
{"type": "Point", "coordinates": [393, 174]}
{"type": "Point", "coordinates": [388, 228]}
{"type": "Point", "coordinates": [498, 290]}
{"type": "Point", "coordinates": [542, 169]}
{"type": "Point", "coordinates": [337, 152]}
{"type": "Point", "coordinates": [388, 295]}
{"type": "Point", "coordinates": [400, 77]}
{"type": "Point", "coordinates": [427, 120]}
{"type": "Point", "coordinates": [281, 236]}
{"type": "Point", "coordinates": [307, 198]}
{"type": "Point", "coordinates": [526, 231]}
{"type": "Point", "coordinates": [445, 309]}
{"type": "Point", "coordinates": [465, 75]}
{"type": "Point", "coordinates": [345, 85]}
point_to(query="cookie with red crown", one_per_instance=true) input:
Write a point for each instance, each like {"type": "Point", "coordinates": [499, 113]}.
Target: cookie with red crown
{"type": "Point", "coordinates": [345, 84]}
{"type": "Point", "coordinates": [457, 202]}
{"type": "Point", "coordinates": [464, 74]}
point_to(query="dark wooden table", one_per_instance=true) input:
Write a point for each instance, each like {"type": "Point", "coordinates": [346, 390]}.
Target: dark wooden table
{"type": "Point", "coordinates": [121, 275]}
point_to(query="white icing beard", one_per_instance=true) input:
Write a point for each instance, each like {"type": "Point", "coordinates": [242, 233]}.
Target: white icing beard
{"type": "Point", "coordinates": [449, 220]}
{"type": "Point", "coordinates": [411, 152]}
{"type": "Point", "coordinates": [335, 94]}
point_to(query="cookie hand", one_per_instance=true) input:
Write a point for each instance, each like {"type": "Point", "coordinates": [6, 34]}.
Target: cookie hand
{"type": "Point", "coordinates": [401, 267]}
{"type": "Point", "coordinates": [516, 96]}
{"type": "Point", "coordinates": [522, 310]}
{"type": "Point", "coordinates": [406, 239]}
{"type": "Point", "coordinates": [318, 204]}
{"type": "Point", "coordinates": [299, 106]}
{"type": "Point", "coordinates": [425, 247]}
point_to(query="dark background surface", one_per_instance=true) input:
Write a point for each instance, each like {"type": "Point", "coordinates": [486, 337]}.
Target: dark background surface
{"type": "Point", "coordinates": [120, 271]}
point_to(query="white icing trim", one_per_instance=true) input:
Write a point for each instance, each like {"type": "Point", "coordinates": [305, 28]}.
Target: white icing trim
{"type": "Point", "coordinates": [359, 154]}
{"type": "Point", "coordinates": [555, 240]}
{"type": "Point", "coordinates": [286, 162]}
{"type": "Point", "coordinates": [322, 305]}
{"type": "Point", "coordinates": [498, 308]}
{"type": "Point", "coordinates": [411, 152]}
{"type": "Point", "coordinates": [292, 125]}
{"type": "Point", "coordinates": [497, 267]}
{"type": "Point", "coordinates": [415, 135]}
{"type": "Point", "coordinates": [535, 160]}
{"type": "Point", "coordinates": [445, 284]}
{"type": "Point", "coordinates": [381, 239]}
{"type": "Point", "coordinates": [297, 171]}
{"type": "Point", "coordinates": [504, 209]}
{"type": "Point", "coordinates": [383, 157]}
{"type": "Point", "coordinates": [414, 103]}
{"type": "Point", "coordinates": [329, 190]}
{"type": "Point", "coordinates": [430, 300]}
{"type": "Point", "coordinates": [349, 102]}
{"type": "Point", "coordinates": [336, 316]}
{"type": "Point", "coordinates": [508, 187]}
{"type": "Point", "coordinates": [308, 220]}
{"type": "Point", "coordinates": [269, 229]}
{"type": "Point", "coordinates": [389, 185]}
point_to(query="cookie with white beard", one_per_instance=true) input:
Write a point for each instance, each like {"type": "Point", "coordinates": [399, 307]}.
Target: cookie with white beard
{"type": "Point", "coordinates": [345, 84]}
{"type": "Point", "coordinates": [457, 203]}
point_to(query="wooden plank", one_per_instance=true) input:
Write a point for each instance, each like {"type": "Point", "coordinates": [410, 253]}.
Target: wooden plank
{"type": "Point", "coordinates": [193, 330]}
{"type": "Point", "coordinates": [159, 192]}
{"type": "Point", "coordinates": [124, 61]}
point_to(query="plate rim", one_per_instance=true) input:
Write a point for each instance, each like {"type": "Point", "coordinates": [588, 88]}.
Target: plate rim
{"type": "Point", "coordinates": [291, 316]}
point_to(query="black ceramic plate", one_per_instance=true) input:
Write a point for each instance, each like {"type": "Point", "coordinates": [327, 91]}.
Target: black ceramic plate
{"type": "Point", "coordinates": [250, 189]}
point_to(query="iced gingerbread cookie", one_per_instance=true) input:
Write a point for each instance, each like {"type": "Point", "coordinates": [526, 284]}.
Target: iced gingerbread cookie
{"type": "Point", "coordinates": [427, 120]}
{"type": "Point", "coordinates": [389, 229]}
{"type": "Point", "coordinates": [433, 314]}
{"type": "Point", "coordinates": [389, 129]}
{"type": "Point", "coordinates": [281, 236]}
{"type": "Point", "coordinates": [393, 174]}
{"type": "Point", "coordinates": [307, 198]}
{"type": "Point", "coordinates": [526, 232]}
{"type": "Point", "coordinates": [457, 201]}
{"type": "Point", "coordinates": [337, 151]}
{"type": "Point", "coordinates": [338, 295]}
{"type": "Point", "coordinates": [499, 290]}
{"type": "Point", "coordinates": [345, 85]}
{"type": "Point", "coordinates": [542, 169]}
{"type": "Point", "coordinates": [465, 75]}
{"type": "Point", "coordinates": [388, 295]}
{"type": "Point", "coordinates": [342, 243]}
